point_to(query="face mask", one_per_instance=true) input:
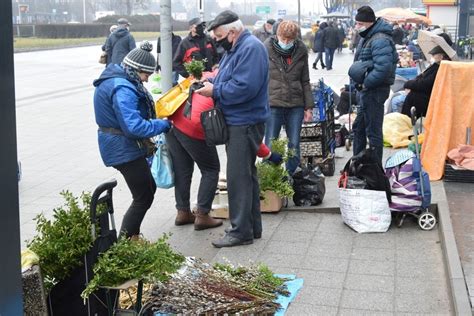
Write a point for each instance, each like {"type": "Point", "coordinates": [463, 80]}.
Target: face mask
{"type": "Point", "coordinates": [362, 29]}
{"type": "Point", "coordinates": [284, 46]}
{"type": "Point", "coordinates": [200, 30]}
{"type": "Point", "coordinates": [224, 43]}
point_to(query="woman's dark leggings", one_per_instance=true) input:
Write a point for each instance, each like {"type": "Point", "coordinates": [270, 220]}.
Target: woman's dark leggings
{"type": "Point", "coordinates": [138, 176]}
{"type": "Point", "coordinates": [319, 58]}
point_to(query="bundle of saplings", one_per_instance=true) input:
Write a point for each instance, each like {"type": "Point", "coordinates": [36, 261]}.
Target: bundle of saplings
{"type": "Point", "coordinates": [202, 289]}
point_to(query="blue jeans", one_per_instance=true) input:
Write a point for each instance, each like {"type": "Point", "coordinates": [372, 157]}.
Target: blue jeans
{"type": "Point", "coordinates": [292, 118]}
{"type": "Point", "coordinates": [397, 103]}
{"type": "Point", "coordinates": [329, 54]}
{"type": "Point", "coordinates": [368, 123]}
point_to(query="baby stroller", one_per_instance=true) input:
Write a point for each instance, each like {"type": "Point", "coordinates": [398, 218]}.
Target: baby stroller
{"type": "Point", "coordinates": [410, 185]}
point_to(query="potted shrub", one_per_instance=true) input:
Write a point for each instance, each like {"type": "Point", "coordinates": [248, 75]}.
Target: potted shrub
{"type": "Point", "coordinates": [274, 179]}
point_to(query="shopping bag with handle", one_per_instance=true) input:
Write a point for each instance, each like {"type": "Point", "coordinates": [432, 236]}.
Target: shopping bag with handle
{"type": "Point", "coordinates": [162, 167]}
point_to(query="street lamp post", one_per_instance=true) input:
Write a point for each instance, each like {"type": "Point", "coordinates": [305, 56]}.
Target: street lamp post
{"type": "Point", "coordinates": [84, 10]}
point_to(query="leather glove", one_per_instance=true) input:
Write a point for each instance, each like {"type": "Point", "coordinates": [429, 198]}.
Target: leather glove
{"type": "Point", "coordinates": [164, 126]}
{"type": "Point", "coordinates": [275, 158]}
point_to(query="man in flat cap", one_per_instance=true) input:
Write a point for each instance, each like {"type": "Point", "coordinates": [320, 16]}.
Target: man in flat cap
{"type": "Point", "coordinates": [119, 43]}
{"type": "Point", "coordinates": [376, 46]}
{"type": "Point", "coordinates": [240, 90]}
{"type": "Point", "coordinates": [197, 45]}
{"type": "Point", "coordinates": [265, 31]}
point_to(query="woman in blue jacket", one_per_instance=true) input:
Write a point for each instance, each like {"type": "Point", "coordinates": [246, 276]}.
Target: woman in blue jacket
{"type": "Point", "coordinates": [125, 114]}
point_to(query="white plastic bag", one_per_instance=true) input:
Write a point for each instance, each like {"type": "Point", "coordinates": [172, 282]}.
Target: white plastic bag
{"type": "Point", "coordinates": [365, 211]}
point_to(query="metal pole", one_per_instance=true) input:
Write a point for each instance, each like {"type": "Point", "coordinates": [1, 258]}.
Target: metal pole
{"type": "Point", "coordinates": [11, 302]}
{"type": "Point", "coordinates": [201, 9]}
{"type": "Point", "coordinates": [166, 57]}
{"type": "Point", "coordinates": [84, 11]}
{"type": "Point", "coordinates": [299, 13]}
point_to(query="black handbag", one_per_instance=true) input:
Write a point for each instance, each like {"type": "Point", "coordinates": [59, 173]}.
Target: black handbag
{"type": "Point", "coordinates": [215, 127]}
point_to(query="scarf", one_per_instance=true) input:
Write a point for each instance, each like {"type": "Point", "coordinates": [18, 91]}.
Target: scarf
{"type": "Point", "coordinates": [285, 54]}
{"type": "Point", "coordinates": [133, 77]}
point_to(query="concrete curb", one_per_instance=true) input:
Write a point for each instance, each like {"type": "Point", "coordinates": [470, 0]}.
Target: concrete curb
{"type": "Point", "coordinates": [457, 284]}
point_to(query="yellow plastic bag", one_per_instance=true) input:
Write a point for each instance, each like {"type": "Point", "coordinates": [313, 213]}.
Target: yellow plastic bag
{"type": "Point", "coordinates": [28, 259]}
{"type": "Point", "coordinates": [172, 99]}
{"type": "Point", "coordinates": [397, 130]}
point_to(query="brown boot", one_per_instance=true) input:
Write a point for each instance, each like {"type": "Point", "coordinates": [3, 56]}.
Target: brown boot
{"type": "Point", "coordinates": [204, 221]}
{"type": "Point", "coordinates": [184, 217]}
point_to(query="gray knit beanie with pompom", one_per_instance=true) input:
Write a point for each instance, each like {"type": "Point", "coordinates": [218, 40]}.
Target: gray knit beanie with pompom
{"type": "Point", "coordinates": [141, 58]}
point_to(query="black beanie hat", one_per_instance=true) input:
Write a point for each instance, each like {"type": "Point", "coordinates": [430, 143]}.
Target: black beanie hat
{"type": "Point", "coordinates": [365, 14]}
{"type": "Point", "coordinates": [141, 59]}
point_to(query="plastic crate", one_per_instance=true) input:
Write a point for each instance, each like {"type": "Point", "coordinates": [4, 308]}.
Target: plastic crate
{"type": "Point", "coordinates": [317, 130]}
{"type": "Point", "coordinates": [455, 174]}
{"type": "Point", "coordinates": [316, 148]}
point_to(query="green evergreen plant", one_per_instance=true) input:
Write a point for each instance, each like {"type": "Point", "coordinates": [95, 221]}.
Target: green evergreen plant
{"type": "Point", "coordinates": [272, 177]}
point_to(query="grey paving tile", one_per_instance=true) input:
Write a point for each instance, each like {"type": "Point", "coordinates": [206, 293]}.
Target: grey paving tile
{"type": "Point", "coordinates": [330, 251]}
{"type": "Point", "coordinates": [287, 248]}
{"type": "Point", "coordinates": [275, 260]}
{"type": "Point", "coordinates": [373, 301]}
{"type": "Point", "coordinates": [322, 278]}
{"type": "Point", "coordinates": [422, 303]}
{"type": "Point", "coordinates": [416, 269]}
{"type": "Point", "coordinates": [319, 296]}
{"type": "Point", "coordinates": [375, 283]}
{"type": "Point", "coordinates": [299, 225]}
{"type": "Point", "coordinates": [292, 236]}
{"type": "Point", "coordinates": [435, 288]}
{"type": "Point", "coordinates": [431, 252]}
{"type": "Point", "coordinates": [325, 264]}
{"type": "Point", "coordinates": [384, 268]}
{"type": "Point", "coordinates": [330, 239]}
{"type": "Point", "coordinates": [373, 254]}
{"type": "Point", "coordinates": [386, 240]}
{"type": "Point", "coordinates": [310, 309]}
{"type": "Point", "coordinates": [359, 312]}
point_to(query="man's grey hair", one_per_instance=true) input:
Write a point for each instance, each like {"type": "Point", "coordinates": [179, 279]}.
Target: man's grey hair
{"type": "Point", "coordinates": [236, 25]}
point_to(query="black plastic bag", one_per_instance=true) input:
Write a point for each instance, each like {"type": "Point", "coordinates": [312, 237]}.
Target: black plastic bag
{"type": "Point", "coordinates": [366, 166]}
{"type": "Point", "coordinates": [309, 186]}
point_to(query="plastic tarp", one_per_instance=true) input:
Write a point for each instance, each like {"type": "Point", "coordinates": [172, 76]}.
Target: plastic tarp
{"type": "Point", "coordinates": [293, 285]}
{"type": "Point", "coordinates": [397, 129]}
{"type": "Point", "coordinates": [450, 112]}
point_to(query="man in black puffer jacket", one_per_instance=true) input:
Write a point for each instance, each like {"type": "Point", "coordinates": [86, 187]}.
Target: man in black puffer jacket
{"type": "Point", "coordinates": [330, 42]}
{"type": "Point", "coordinates": [198, 46]}
{"type": "Point", "coordinates": [377, 47]}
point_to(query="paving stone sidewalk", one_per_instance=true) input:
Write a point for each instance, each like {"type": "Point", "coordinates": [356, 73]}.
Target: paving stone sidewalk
{"type": "Point", "coordinates": [399, 272]}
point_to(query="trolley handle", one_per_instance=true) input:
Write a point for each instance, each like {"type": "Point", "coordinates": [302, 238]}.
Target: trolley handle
{"type": "Point", "coordinates": [413, 115]}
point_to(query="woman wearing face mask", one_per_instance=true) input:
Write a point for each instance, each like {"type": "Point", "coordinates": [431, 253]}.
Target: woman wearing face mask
{"type": "Point", "coordinates": [289, 88]}
{"type": "Point", "coordinates": [125, 115]}
{"type": "Point", "coordinates": [419, 89]}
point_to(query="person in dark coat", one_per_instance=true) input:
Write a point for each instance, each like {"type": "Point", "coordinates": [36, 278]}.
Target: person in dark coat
{"type": "Point", "coordinates": [197, 45]}
{"type": "Point", "coordinates": [289, 89]}
{"type": "Point", "coordinates": [119, 43]}
{"type": "Point", "coordinates": [376, 47]}
{"type": "Point", "coordinates": [175, 41]}
{"type": "Point", "coordinates": [398, 34]}
{"type": "Point", "coordinates": [419, 89]}
{"type": "Point", "coordinates": [265, 31]}
{"type": "Point", "coordinates": [341, 37]}
{"type": "Point", "coordinates": [330, 42]}
{"type": "Point", "coordinates": [318, 46]}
